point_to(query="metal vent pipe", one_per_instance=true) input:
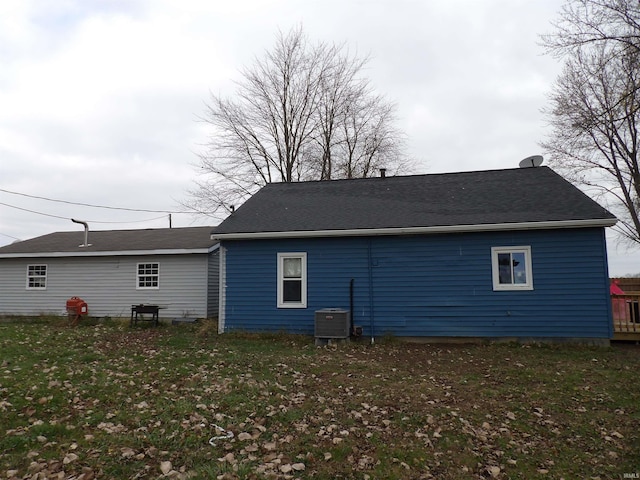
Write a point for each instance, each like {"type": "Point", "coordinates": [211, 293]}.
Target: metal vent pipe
{"type": "Point", "coordinates": [86, 231]}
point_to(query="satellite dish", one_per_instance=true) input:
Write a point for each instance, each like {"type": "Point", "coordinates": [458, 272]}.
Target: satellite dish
{"type": "Point", "coordinates": [532, 161]}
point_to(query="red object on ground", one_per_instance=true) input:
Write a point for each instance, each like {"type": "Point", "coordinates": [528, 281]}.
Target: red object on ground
{"type": "Point", "coordinates": [76, 308]}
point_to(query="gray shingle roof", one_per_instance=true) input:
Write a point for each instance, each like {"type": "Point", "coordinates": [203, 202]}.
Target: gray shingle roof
{"type": "Point", "coordinates": [519, 195]}
{"type": "Point", "coordinates": [189, 238]}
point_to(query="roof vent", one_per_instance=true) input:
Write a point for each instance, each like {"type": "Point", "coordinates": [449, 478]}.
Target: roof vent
{"type": "Point", "coordinates": [383, 173]}
{"type": "Point", "coordinates": [86, 232]}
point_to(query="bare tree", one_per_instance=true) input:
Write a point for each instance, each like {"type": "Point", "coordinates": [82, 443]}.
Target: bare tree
{"type": "Point", "coordinates": [595, 104]}
{"type": "Point", "coordinates": [582, 23]}
{"type": "Point", "coordinates": [286, 123]}
{"type": "Point", "coordinates": [369, 140]}
{"type": "Point", "coordinates": [339, 87]}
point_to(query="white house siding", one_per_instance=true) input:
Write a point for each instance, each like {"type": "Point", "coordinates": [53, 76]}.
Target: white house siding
{"type": "Point", "coordinates": [107, 284]}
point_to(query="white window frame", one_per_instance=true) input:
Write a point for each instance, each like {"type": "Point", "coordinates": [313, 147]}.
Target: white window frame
{"type": "Point", "coordinates": [495, 267]}
{"type": "Point", "coordinates": [139, 276]}
{"type": "Point", "coordinates": [303, 300]}
{"type": "Point", "coordinates": [41, 277]}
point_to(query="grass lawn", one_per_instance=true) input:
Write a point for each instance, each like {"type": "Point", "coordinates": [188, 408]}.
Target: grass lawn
{"type": "Point", "coordinates": [106, 401]}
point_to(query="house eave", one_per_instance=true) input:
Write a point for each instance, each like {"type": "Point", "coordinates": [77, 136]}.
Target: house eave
{"type": "Point", "coordinates": [367, 232]}
{"type": "Point", "coordinates": [111, 253]}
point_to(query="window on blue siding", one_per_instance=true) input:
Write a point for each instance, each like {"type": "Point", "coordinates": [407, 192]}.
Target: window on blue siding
{"type": "Point", "coordinates": [36, 277]}
{"type": "Point", "coordinates": [292, 280]}
{"type": "Point", "coordinates": [148, 275]}
{"type": "Point", "coordinates": [511, 268]}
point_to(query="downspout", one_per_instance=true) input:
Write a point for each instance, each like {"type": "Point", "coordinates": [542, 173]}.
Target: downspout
{"type": "Point", "coordinates": [353, 333]}
{"type": "Point", "coordinates": [86, 232]}
{"type": "Point", "coordinates": [370, 261]}
{"type": "Point", "coordinates": [610, 330]}
{"type": "Point", "coordinates": [222, 289]}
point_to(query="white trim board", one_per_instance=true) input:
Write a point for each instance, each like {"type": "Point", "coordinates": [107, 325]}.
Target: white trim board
{"type": "Point", "coordinates": [366, 232]}
{"type": "Point", "coordinates": [110, 253]}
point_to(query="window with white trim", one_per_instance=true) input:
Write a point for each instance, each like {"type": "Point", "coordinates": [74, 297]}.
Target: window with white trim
{"type": "Point", "coordinates": [511, 268]}
{"type": "Point", "coordinates": [36, 277]}
{"type": "Point", "coordinates": [292, 280]}
{"type": "Point", "coordinates": [148, 276]}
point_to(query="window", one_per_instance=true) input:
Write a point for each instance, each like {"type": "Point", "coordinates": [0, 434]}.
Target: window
{"type": "Point", "coordinates": [511, 268]}
{"type": "Point", "coordinates": [292, 280]}
{"type": "Point", "coordinates": [148, 275]}
{"type": "Point", "coordinates": [36, 277]}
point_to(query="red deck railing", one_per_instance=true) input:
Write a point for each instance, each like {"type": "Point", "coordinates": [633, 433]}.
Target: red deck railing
{"type": "Point", "coordinates": [626, 315]}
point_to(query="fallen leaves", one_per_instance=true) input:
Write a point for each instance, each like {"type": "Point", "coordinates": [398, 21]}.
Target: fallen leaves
{"type": "Point", "coordinates": [493, 471]}
{"type": "Point", "coordinates": [69, 458]}
{"type": "Point", "coordinates": [288, 468]}
{"type": "Point", "coordinates": [166, 467]}
{"type": "Point", "coordinates": [133, 403]}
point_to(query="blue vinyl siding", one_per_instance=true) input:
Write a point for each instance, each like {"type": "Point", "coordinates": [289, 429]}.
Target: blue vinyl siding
{"type": "Point", "coordinates": [437, 285]}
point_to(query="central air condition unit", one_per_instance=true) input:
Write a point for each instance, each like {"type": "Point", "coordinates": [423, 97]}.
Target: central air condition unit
{"type": "Point", "coordinates": [332, 323]}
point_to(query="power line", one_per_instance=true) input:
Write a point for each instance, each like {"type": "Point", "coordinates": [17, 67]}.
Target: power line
{"type": "Point", "coordinates": [88, 204]}
{"type": "Point", "coordinates": [134, 221]}
{"type": "Point", "coordinates": [67, 218]}
{"type": "Point", "coordinates": [33, 211]}
{"type": "Point", "coordinates": [10, 236]}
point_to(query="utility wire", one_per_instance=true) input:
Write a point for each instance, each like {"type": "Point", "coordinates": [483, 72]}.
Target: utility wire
{"type": "Point", "coordinates": [88, 204]}
{"type": "Point", "coordinates": [135, 221]}
{"type": "Point", "coordinates": [67, 218]}
{"type": "Point", "coordinates": [10, 236]}
{"type": "Point", "coordinates": [33, 211]}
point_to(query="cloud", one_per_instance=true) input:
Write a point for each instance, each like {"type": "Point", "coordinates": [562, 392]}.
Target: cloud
{"type": "Point", "coordinates": [100, 100]}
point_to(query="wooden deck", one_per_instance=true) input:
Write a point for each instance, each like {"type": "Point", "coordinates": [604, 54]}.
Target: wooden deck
{"type": "Point", "coordinates": [626, 316]}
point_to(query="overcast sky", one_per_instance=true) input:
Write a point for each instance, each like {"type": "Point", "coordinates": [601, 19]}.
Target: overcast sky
{"type": "Point", "coordinates": [99, 100]}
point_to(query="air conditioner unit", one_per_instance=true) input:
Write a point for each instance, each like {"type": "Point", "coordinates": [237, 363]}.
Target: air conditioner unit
{"type": "Point", "coordinates": [332, 323]}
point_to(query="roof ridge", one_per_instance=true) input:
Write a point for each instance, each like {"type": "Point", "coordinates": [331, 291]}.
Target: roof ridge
{"type": "Point", "coordinates": [415, 175]}
{"type": "Point", "coordinates": [132, 229]}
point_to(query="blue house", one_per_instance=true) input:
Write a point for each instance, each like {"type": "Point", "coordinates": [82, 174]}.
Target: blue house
{"type": "Point", "coordinates": [517, 254]}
